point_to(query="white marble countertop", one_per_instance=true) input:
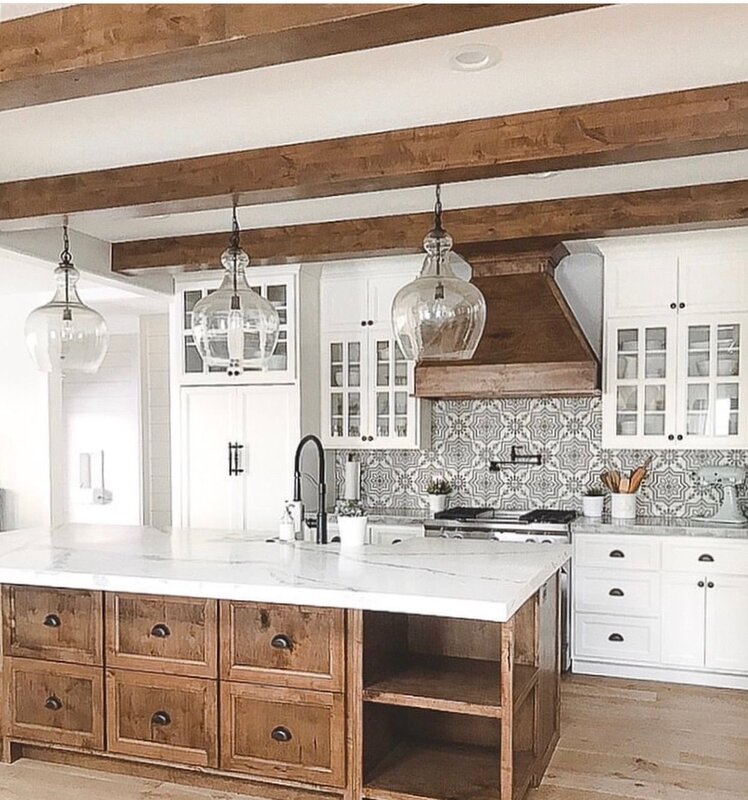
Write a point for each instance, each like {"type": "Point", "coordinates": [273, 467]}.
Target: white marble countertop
{"type": "Point", "coordinates": [482, 580]}
{"type": "Point", "coordinates": [660, 526]}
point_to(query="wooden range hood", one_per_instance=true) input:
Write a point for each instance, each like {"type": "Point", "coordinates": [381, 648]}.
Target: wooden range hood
{"type": "Point", "coordinates": [532, 346]}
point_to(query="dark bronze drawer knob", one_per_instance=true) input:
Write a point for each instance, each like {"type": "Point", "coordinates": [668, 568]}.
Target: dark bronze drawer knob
{"type": "Point", "coordinates": [281, 642]}
{"type": "Point", "coordinates": [161, 718]}
{"type": "Point", "coordinates": [281, 734]}
{"type": "Point", "coordinates": [53, 703]}
{"type": "Point", "coordinates": [52, 621]}
{"type": "Point", "coordinates": [616, 592]}
{"type": "Point", "coordinates": [160, 631]}
{"type": "Point", "coordinates": [617, 554]}
{"type": "Point", "coordinates": [615, 637]}
{"type": "Point", "coordinates": [706, 557]}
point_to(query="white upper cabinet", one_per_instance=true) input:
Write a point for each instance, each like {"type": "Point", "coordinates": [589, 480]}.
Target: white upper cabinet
{"type": "Point", "coordinates": [367, 384]}
{"type": "Point", "coordinates": [675, 341]}
{"type": "Point", "coordinates": [275, 284]}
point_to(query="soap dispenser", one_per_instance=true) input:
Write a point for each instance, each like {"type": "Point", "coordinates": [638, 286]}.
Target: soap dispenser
{"type": "Point", "coordinates": [287, 529]}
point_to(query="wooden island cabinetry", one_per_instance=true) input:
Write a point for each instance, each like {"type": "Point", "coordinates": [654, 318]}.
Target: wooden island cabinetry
{"type": "Point", "coordinates": [282, 700]}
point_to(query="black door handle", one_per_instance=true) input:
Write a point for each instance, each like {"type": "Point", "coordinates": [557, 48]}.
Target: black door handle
{"type": "Point", "coordinates": [710, 585]}
{"type": "Point", "coordinates": [281, 642]}
{"type": "Point", "coordinates": [706, 557]}
{"type": "Point", "coordinates": [160, 631]}
{"type": "Point", "coordinates": [615, 637]}
{"type": "Point", "coordinates": [617, 554]}
{"type": "Point", "coordinates": [700, 584]}
{"type": "Point", "coordinates": [281, 734]}
{"type": "Point", "coordinates": [52, 621]}
{"type": "Point", "coordinates": [616, 592]}
{"type": "Point", "coordinates": [53, 703]}
{"type": "Point", "coordinates": [161, 718]}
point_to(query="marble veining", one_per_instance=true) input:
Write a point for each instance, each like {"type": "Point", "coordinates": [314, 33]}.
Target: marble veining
{"type": "Point", "coordinates": [660, 526]}
{"type": "Point", "coordinates": [473, 580]}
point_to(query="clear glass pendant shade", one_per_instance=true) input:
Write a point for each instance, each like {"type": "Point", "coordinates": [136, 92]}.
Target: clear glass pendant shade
{"type": "Point", "coordinates": [438, 316]}
{"type": "Point", "coordinates": [234, 328]}
{"type": "Point", "coordinates": [66, 335]}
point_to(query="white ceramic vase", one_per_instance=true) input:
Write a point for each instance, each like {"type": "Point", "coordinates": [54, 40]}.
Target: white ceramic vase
{"type": "Point", "coordinates": [623, 506]}
{"type": "Point", "coordinates": [352, 531]}
{"type": "Point", "coordinates": [592, 505]}
{"type": "Point", "coordinates": [437, 503]}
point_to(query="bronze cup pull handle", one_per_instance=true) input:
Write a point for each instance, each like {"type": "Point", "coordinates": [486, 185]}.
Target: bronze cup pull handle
{"type": "Point", "coordinates": [53, 703]}
{"type": "Point", "coordinates": [281, 734]}
{"type": "Point", "coordinates": [281, 642]}
{"type": "Point", "coordinates": [706, 557]}
{"type": "Point", "coordinates": [617, 554]}
{"type": "Point", "coordinates": [616, 592]}
{"type": "Point", "coordinates": [161, 718]}
{"type": "Point", "coordinates": [52, 621]}
{"type": "Point", "coordinates": [615, 637]}
{"type": "Point", "coordinates": [160, 631]}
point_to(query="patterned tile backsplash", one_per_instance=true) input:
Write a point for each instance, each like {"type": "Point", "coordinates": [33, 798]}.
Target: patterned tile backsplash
{"type": "Point", "coordinates": [467, 434]}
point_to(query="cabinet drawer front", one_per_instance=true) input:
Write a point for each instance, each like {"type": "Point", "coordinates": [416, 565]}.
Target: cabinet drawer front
{"type": "Point", "coordinates": [610, 638]}
{"type": "Point", "coordinates": [164, 718]}
{"type": "Point", "coordinates": [706, 556]}
{"type": "Point", "coordinates": [608, 591]}
{"type": "Point", "coordinates": [55, 624]}
{"type": "Point", "coordinates": [284, 733]}
{"type": "Point", "coordinates": [55, 703]}
{"type": "Point", "coordinates": [173, 635]}
{"type": "Point", "coordinates": [283, 645]}
{"type": "Point", "coordinates": [617, 552]}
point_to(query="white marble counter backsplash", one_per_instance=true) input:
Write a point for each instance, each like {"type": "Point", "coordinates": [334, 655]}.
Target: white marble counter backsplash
{"type": "Point", "coordinates": [472, 580]}
{"type": "Point", "coordinates": [567, 432]}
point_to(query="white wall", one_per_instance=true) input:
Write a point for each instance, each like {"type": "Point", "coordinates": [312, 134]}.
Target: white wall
{"type": "Point", "coordinates": [154, 348]}
{"type": "Point", "coordinates": [101, 412]}
{"type": "Point", "coordinates": [24, 419]}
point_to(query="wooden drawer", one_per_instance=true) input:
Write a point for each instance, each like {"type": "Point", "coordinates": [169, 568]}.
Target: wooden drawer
{"type": "Point", "coordinates": [627, 592]}
{"type": "Point", "coordinates": [283, 645]}
{"type": "Point", "coordinates": [55, 703]}
{"type": "Point", "coordinates": [616, 639]}
{"type": "Point", "coordinates": [283, 733]}
{"type": "Point", "coordinates": [617, 552]}
{"type": "Point", "coordinates": [706, 556]}
{"type": "Point", "coordinates": [174, 635]}
{"type": "Point", "coordinates": [163, 718]}
{"type": "Point", "coordinates": [53, 624]}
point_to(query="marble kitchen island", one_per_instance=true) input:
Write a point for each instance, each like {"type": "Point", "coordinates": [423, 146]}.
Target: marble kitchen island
{"type": "Point", "coordinates": [426, 669]}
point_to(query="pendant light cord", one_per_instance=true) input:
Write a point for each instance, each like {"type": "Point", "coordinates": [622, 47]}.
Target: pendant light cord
{"type": "Point", "coordinates": [438, 229]}
{"type": "Point", "coordinates": [234, 244]}
{"type": "Point", "coordinates": [66, 262]}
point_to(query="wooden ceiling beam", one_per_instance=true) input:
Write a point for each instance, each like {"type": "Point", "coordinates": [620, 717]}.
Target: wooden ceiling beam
{"type": "Point", "coordinates": [476, 231]}
{"type": "Point", "coordinates": [92, 49]}
{"type": "Point", "coordinates": [667, 125]}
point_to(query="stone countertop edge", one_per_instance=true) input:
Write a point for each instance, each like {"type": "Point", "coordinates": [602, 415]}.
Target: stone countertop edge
{"type": "Point", "coordinates": [486, 581]}
{"type": "Point", "coordinates": [659, 526]}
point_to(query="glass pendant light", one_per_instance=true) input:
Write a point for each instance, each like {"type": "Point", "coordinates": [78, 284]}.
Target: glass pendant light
{"type": "Point", "coordinates": [234, 328]}
{"type": "Point", "coordinates": [65, 335]}
{"type": "Point", "coordinates": [438, 316]}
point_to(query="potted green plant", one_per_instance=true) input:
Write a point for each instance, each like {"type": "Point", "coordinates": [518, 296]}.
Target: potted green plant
{"type": "Point", "coordinates": [437, 491]}
{"type": "Point", "coordinates": [592, 501]}
{"type": "Point", "coordinates": [352, 523]}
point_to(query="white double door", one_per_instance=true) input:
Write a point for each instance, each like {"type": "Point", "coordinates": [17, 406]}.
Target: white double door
{"type": "Point", "coordinates": [236, 455]}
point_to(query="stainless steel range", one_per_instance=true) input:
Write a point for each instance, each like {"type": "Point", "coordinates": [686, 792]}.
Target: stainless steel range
{"type": "Point", "coordinates": [541, 526]}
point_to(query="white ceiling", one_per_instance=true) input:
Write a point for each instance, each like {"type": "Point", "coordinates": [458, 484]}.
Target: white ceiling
{"type": "Point", "coordinates": [587, 56]}
{"type": "Point", "coordinates": [14, 10]}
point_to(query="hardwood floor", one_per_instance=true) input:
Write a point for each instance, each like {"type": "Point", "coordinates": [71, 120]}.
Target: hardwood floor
{"type": "Point", "coordinates": [621, 740]}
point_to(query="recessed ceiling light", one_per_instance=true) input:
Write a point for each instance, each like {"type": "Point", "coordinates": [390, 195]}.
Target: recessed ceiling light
{"type": "Point", "coordinates": [474, 57]}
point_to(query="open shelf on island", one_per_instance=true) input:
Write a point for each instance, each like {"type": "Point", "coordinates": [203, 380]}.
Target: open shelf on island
{"type": "Point", "coordinates": [425, 770]}
{"type": "Point", "coordinates": [419, 753]}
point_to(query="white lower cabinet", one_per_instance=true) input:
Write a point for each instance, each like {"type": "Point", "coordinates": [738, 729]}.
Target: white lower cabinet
{"type": "Point", "coordinates": [236, 448]}
{"type": "Point", "coordinates": [673, 608]}
{"type": "Point", "coordinates": [683, 601]}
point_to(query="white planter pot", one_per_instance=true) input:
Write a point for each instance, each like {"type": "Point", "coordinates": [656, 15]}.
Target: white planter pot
{"type": "Point", "coordinates": [437, 502]}
{"type": "Point", "coordinates": [592, 506]}
{"type": "Point", "coordinates": [623, 506]}
{"type": "Point", "coordinates": [352, 531]}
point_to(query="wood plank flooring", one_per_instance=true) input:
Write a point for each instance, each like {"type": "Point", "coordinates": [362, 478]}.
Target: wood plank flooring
{"type": "Point", "coordinates": [621, 740]}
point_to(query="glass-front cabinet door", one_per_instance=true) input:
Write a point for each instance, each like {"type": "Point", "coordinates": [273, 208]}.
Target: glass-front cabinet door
{"type": "Point", "coordinates": [393, 417]}
{"type": "Point", "coordinates": [641, 385]}
{"type": "Point", "coordinates": [713, 385]}
{"type": "Point", "coordinates": [281, 367]}
{"type": "Point", "coordinates": [344, 375]}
